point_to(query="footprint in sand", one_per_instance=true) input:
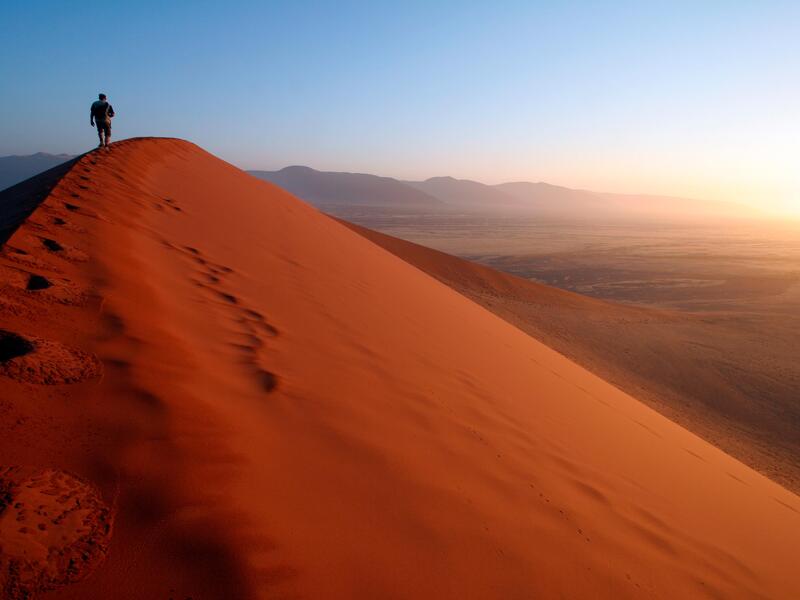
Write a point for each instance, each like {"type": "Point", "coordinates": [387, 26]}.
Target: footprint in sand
{"type": "Point", "coordinates": [52, 245]}
{"type": "Point", "coordinates": [54, 530]}
{"type": "Point", "coordinates": [254, 346]}
{"type": "Point", "coordinates": [68, 253]}
{"type": "Point", "coordinates": [49, 288]}
{"type": "Point", "coordinates": [34, 360]}
{"type": "Point", "coordinates": [56, 290]}
{"type": "Point", "coordinates": [229, 298]}
{"type": "Point", "coordinates": [167, 203]}
{"type": "Point", "coordinates": [23, 259]}
{"type": "Point", "coordinates": [38, 282]}
{"type": "Point", "coordinates": [268, 381]}
{"type": "Point", "coordinates": [62, 223]}
{"type": "Point", "coordinates": [257, 318]}
{"type": "Point", "coordinates": [251, 324]}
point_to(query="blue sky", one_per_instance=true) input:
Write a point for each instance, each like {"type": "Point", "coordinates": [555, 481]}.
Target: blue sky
{"type": "Point", "coordinates": [687, 98]}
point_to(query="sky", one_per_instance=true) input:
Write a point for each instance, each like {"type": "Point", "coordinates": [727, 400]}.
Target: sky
{"type": "Point", "coordinates": [698, 99]}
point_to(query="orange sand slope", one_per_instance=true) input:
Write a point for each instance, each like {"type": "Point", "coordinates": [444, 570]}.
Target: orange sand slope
{"type": "Point", "coordinates": [287, 410]}
{"type": "Point", "coordinates": [710, 375]}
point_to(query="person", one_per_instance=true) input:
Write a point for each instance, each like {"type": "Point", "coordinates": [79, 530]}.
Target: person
{"type": "Point", "coordinates": [100, 114]}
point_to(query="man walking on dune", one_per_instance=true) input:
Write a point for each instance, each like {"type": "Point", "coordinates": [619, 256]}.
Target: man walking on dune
{"type": "Point", "coordinates": [101, 114]}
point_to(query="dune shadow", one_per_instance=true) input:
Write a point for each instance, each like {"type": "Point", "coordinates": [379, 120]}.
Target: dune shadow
{"type": "Point", "coordinates": [38, 282]}
{"type": "Point", "coordinates": [13, 346]}
{"type": "Point", "coordinates": [19, 201]}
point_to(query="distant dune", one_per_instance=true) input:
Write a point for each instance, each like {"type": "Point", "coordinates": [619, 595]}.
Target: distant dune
{"type": "Point", "coordinates": [14, 169]}
{"type": "Point", "coordinates": [213, 390]}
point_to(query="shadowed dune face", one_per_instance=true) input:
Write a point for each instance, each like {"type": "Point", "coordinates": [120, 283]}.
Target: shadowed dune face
{"type": "Point", "coordinates": [286, 409]}
{"type": "Point", "coordinates": [20, 200]}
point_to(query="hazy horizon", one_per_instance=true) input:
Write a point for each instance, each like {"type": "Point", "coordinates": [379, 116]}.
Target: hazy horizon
{"type": "Point", "coordinates": [738, 211]}
{"type": "Point", "coordinates": [688, 101]}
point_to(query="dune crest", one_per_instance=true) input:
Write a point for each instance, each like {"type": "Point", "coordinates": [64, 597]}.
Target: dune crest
{"type": "Point", "coordinates": [287, 409]}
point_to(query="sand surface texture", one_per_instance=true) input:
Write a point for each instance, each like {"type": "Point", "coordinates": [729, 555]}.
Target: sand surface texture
{"type": "Point", "coordinates": [256, 402]}
{"type": "Point", "coordinates": [731, 377]}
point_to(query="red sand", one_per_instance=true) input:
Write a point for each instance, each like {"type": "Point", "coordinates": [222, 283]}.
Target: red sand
{"type": "Point", "coordinates": [712, 376]}
{"type": "Point", "coordinates": [285, 409]}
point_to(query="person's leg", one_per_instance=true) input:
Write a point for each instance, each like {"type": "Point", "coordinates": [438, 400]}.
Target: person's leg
{"type": "Point", "coordinates": [100, 134]}
{"type": "Point", "coordinates": [108, 134]}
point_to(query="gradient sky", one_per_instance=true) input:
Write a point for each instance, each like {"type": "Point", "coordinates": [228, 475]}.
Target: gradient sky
{"type": "Point", "coordinates": [699, 99]}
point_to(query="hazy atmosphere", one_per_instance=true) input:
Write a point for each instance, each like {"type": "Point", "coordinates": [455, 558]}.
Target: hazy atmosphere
{"type": "Point", "coordinates": [680, 98]}
{"type": "Point", "coordinates": [400, 300]}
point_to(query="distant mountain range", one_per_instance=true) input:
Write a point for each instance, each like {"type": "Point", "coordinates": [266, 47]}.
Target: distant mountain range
{"type": "Point", "coordinates": [463, 192]}
{"type": "Point", "coordinates": [329, 190]}
{"type": "Point", "coordinates": [14, 169]}
{"type": "Point", "coordinates": [334, 190]}
{"type": "Point", "coordinates": [324, 188]}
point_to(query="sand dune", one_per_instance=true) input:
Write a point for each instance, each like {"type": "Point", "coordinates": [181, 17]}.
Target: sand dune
{"type": "Point", "coordinates": [255, 401]}
{"type": "Point", "coordinates": [708, 374]}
